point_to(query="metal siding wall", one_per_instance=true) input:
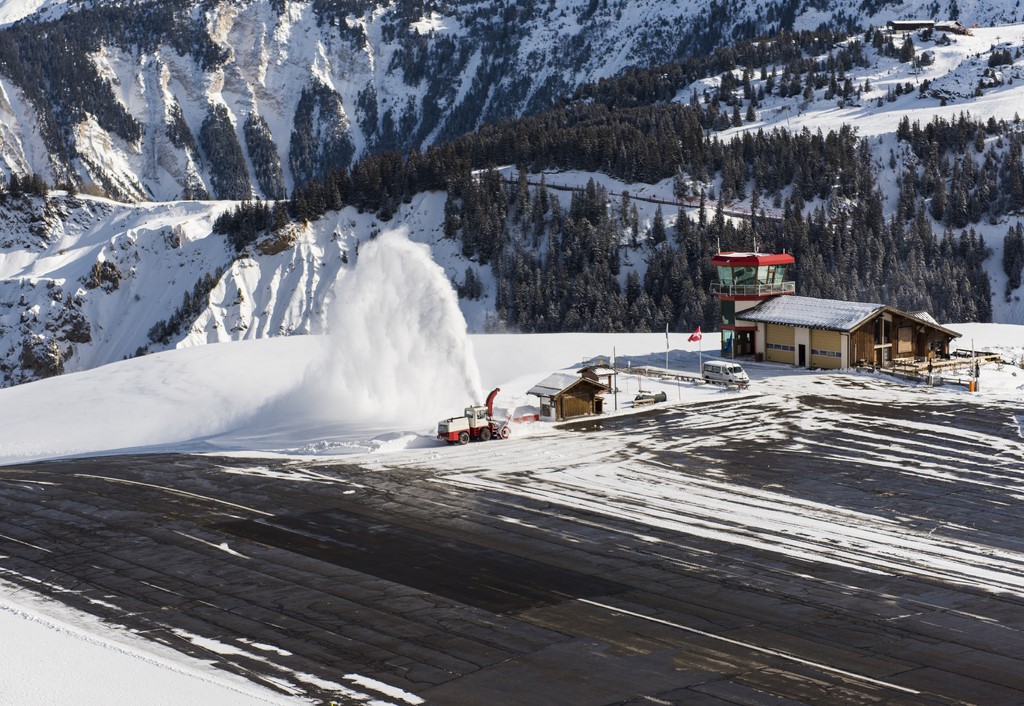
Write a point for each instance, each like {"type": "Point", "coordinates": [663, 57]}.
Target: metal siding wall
{"type": "Point", "coordinates": [826, 341]}
{"type": "Point", "coordinates": [782, 335]}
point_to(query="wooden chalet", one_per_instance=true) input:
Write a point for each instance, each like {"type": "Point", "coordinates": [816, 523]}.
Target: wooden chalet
{"type": "Point", "coordinates": [565, 396]}
{"type": "Point", "coordinates": [829, 333]}
{"type": "Point", "coordinates": [952, 26]}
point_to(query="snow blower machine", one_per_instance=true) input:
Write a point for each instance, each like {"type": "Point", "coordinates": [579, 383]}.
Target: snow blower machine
{"type": "Point", "coordinates": [476, 423]}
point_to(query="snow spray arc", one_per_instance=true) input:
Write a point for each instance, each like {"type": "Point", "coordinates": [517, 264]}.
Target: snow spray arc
{"type": "Point", "coordinates": [399, 348]}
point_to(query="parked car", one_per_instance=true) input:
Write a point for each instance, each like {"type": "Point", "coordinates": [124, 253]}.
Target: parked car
{"type": "Point", "coordinates": [723, 373]}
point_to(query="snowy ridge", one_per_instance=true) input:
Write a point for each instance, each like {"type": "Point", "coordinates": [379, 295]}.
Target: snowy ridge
{"type": "Point", "coordinates": [397, 80]}
{"type": "Point", "coordinates": [14, 10]}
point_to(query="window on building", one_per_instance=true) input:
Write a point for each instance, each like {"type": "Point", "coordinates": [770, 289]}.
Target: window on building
{"type": "Point", "coordinates": [883, 331]}
{"type": "Point", "coordinates": [727, 342]}
{"type": "Point", "coordinates": [768, 274]}
{"type": "Point", "coordinates": [905, 340]}
{"type": "Point", "coordinates": [728, 313]}
{"type": "Point", "coordinates": [745, 275]}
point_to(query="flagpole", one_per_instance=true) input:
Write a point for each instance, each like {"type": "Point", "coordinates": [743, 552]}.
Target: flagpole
{"type": "Point", "coordinates": [615, 379]}
{"type": "Point", "coordinates": [699, 338]}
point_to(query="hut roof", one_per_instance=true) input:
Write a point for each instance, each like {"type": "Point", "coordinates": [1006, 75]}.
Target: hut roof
{"type": "Point", "coordinates": [560, 382]}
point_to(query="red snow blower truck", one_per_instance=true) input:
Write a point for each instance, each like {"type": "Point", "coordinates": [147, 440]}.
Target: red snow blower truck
{"type": "Point", "coordinates": [477, 423]}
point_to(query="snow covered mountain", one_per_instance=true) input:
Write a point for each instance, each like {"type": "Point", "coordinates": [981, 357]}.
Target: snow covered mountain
{"type": "Point", "coordinates": [85, 281]}
{"type": "Point", "coordinates": [182, 99]}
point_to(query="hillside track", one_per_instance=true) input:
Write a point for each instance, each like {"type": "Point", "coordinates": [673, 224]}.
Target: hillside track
{"type": "Point", "coordinates": [801, 548]}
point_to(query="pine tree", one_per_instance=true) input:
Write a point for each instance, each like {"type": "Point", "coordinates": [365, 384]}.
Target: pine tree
{"type": "Point", "coordinates": [658, 234]}
{"type": "Point", "coordinates": [907, 50]}
{"type": "Point", "coordinates": [1013, 258]}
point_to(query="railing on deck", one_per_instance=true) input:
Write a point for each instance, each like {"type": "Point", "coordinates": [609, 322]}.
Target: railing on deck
{"type": "Point", "coordinates": [756, 290]}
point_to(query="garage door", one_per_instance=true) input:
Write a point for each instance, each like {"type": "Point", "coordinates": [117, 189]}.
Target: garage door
{"type": "Point", "coordinates": [826, 349]}
{"type": "Point", "coordinates": [778, 342]}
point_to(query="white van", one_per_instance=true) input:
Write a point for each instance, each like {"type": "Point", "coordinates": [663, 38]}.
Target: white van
{"type": "Point", "coordinates": [722, 373]}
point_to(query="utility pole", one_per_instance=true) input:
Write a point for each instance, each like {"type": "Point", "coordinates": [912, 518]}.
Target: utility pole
{"type": "Point", "coordinates": [615, 380]}
{"type": "Point", "coordinates": [666, 347]}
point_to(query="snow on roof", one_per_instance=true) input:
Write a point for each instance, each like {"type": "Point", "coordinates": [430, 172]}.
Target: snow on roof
{"type": "Point", "coordinates": [599, 370]}
{"type": "Point", "coordinates": [924, 316]}
{"type": "Point", "coordinates": [553, 384]}
{"type": "Point", "coordinates": [792, 310]}
{"type": "Point", "coordinates": [828, 314]}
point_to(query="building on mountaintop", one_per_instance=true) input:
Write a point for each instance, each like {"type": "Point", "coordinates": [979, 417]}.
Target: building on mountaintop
{"type": "Point", "coordinates": [951, 26]}
{"type": "Point", "coordinates": [909, 25]}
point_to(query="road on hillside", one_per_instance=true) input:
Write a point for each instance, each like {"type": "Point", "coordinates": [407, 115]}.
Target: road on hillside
{"type": "Point", "coordinates": [516, 575]}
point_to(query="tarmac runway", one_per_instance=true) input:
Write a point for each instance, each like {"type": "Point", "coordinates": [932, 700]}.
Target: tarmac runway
{"type": "Point", "coordinates": [466, 596]}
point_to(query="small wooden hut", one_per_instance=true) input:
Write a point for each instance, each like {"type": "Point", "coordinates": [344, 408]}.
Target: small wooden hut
{"type": "Point", "coordinates": [565, 396]}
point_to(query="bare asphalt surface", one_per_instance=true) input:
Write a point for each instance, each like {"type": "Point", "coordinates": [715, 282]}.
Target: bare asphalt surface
{"type": "Point", "coordinates": [467, 597]}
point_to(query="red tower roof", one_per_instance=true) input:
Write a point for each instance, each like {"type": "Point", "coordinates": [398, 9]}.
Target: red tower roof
{"type": "Point", "coordinates": [750, 259]}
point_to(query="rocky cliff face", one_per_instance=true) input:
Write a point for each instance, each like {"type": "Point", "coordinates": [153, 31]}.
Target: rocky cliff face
{"type": "Point", "coordinates": [214, 99]}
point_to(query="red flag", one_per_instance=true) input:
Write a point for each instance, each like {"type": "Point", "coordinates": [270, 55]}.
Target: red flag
{"type": "Point", "coordinates": [695, 336]}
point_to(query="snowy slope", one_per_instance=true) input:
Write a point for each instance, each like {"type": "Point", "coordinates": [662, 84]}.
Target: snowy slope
{"type": "Point", "coordinates": [152, 255]}
{"type": "Point", "coordinates": [953, 78]}
{"type": "Point", "coordinates": [386, 78]}
{"type": "Point", "coordinates": [954, 75]}
{"type": "Point", "coordinates": [272, 57]}
{"type": "Point", "coordinates": [14, 10]}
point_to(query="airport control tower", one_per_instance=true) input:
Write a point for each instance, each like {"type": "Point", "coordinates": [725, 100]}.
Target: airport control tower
{"type": "Point", "coordinates": [745, 279]}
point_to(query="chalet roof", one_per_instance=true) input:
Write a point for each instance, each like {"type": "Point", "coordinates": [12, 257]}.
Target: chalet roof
{"type": "Point", "coordinates": [560, 382]}
{"type": "Point", "coordinates": [827, 314]}
{"type": "Point", "coordinates": [926, 318]}
{"type": "Point", "coordinates": [792, 310]}
{"type": "Point", "coordinates": [599, 370]}
{"type": "Point", "coordinates": [911, 23]}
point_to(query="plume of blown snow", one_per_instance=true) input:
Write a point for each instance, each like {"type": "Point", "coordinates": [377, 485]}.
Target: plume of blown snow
{"type": "Point", "coordinates": [398, 351]}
